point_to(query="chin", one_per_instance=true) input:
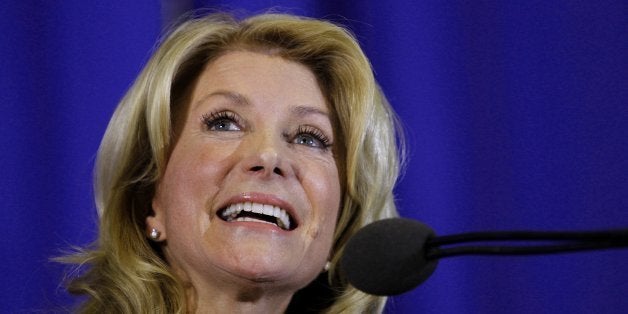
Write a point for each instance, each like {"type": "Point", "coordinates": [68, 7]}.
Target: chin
{"type": "Point", "coordinates": [273, 272]}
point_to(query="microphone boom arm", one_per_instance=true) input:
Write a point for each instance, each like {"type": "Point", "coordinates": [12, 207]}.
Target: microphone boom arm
{"type": "Point", "coordinates": [572, 242]}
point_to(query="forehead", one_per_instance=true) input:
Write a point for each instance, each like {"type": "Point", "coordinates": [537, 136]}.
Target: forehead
{"type": "Point", "coordinates": [251, 76]}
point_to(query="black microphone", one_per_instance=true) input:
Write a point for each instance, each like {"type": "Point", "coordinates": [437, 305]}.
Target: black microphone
{"type": "Point", "coordinates": [394, 255]}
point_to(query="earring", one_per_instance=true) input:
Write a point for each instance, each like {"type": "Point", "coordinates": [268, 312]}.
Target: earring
{"type": "Point", "coordinates": [154, 234]}
{"type": "Point", "coordinates": [327, 266]}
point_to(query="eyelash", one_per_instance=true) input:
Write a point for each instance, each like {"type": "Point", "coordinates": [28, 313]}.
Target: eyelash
{"type": "Point", "coordinates": [313, 132]}
{"type": "Point", "coordinates": [211, 119]}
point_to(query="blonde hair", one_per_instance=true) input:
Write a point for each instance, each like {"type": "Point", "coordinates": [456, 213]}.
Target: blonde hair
{"type": "Point", "coordinates": [126, 272]}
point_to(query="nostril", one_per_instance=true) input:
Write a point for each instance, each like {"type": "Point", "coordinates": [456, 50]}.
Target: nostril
{"type": "Point", "coordinates": [257, 168]}
{"type": "Point", "coordinates": [277, 171]}
{"type": "Point", "coordinates": [262, 169]}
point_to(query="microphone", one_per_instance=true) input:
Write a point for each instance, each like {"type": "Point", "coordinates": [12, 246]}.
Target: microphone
{"type": "Point", "coordinates": [392, 256]}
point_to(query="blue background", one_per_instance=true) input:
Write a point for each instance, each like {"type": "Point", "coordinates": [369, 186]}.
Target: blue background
{"type": "Point", "coordinates": [515, 113]}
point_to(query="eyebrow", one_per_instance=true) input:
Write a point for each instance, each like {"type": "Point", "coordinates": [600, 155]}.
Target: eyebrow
{"type": "Point", "coordinates": [237, 98]}
{"type": "Point", "coordinates": [302, 111]}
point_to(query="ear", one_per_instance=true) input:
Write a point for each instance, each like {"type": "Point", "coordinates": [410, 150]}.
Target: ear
{"type": "Point", "coordinates": [155, 220]}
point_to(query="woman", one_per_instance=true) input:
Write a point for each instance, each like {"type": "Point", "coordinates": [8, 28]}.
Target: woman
{"type": "Point", "coordinates": [236, 168]}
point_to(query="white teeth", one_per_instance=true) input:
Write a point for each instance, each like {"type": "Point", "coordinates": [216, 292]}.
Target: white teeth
{"type": "Point", "coordinates": [252, 219]}
{"type": "Point", "coordinates": [232, 212]}
{"type": "Point", "coordinates": [268, 210]}
{"type": "Point", "coordinates": [257, 208]}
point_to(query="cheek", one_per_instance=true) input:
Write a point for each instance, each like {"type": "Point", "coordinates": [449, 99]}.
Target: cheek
{"type": "Point", "coordinates": [332, 201]}
{"type": "Point", "coordinates": [324, 193]}
{"type": "Point", "coordinates": [192, 179]}
{"type": "Point", "coordinates": [190, 184]}
{"type": "Point", "coordinates": [181, 203]}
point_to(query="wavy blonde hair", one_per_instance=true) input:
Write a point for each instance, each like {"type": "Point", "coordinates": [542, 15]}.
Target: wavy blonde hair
{"type": "Point", "coordinates": [127, 273]}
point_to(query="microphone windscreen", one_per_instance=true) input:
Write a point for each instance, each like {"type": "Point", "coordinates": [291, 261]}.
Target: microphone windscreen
{"type": "Point", "coordinates": [387, 257]}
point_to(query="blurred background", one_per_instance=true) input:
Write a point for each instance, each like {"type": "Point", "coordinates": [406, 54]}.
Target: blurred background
{"type": "Point", "coordinates": [515, 114]}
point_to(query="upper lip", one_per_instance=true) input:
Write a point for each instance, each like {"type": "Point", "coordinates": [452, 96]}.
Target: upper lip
{"type": "Point", "coordinates": [263, 198]}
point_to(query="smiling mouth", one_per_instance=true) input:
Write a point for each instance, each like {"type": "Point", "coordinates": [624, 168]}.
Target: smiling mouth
{"type": "Point", "coordinates": [256, 212]}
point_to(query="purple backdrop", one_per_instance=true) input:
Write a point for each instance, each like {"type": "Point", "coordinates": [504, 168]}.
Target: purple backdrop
{"type": "Point", "coordinates": [515, 111]}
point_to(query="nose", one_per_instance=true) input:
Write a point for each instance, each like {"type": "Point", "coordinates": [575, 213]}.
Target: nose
{"type": "Point", "coordinates": [265, 156]}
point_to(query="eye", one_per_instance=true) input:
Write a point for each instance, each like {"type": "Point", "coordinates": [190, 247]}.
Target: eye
{"type": "Point", "coordinates": [223, 121]}
{"type": "Point", "coordinates": [312, 137]}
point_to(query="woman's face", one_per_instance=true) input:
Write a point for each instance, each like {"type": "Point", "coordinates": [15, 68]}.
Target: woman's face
{"type": "Point", "coordinates": [251, 191]}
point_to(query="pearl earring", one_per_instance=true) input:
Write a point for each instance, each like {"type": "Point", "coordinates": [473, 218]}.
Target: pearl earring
{"type": "Point", "coordinates": [327, 266]}
{"type": "Point", "coordinates": [154, 234]}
